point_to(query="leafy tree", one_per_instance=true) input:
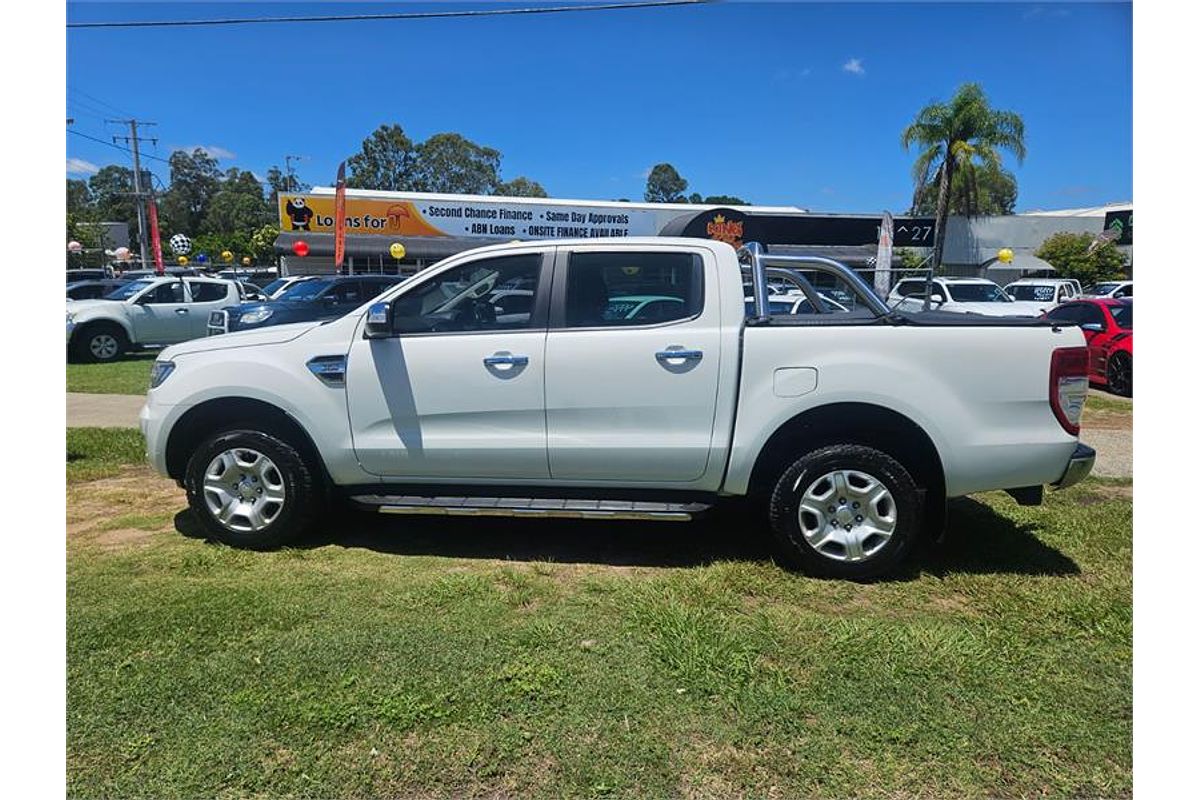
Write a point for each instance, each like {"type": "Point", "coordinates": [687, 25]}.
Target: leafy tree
{"type": "Point", "coordinates": [262, 244]}
{"type": "Point", "coordinates": [195, 180]}
{"type": "Point", "coordinates": [385, 162]}
{"type": "Point", "coordinates": [237, 209]}
{"type": "Point", "coordinates": [521, 187]}
{"type": "Point", "coordinates": [695, 199]}
{"type": "Point", "coordinates": [725, 200]}
{"type": "Point", "coordinates": [959, 135]}
{"type": "Point", "coordinates": [79, 196]}
{"type": "Point", "coordinates": [665, 185]}
{"type": "Point", "coordinates": [452, 164]}
{"type": "Point", "coordinates": [974, 191]}
{"type": "Point", "coordinates": [1068, 254]}
{"type": "Point", "coordinates": [111, 190]}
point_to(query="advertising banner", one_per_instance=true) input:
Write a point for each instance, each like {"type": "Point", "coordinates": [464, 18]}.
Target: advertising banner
{"type": "Point", "coordinates": [883, 257]}
{"type": "Point", "coordinates": [339, 218]}
{"type": "Point", "coordinates": [484, 219]}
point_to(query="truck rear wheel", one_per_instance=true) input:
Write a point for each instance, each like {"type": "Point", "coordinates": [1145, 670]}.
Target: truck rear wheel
{"type": "Point", "coordinates": [252, 489]}
{"type": "Point", "coordinates": [845, 511]}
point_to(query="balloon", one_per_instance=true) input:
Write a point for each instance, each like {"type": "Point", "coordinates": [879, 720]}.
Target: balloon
{"type": "Point", "coordinates": [182, 261]}
{"type": "Point", "coordinates": [123, 253]}
{"type": "Point", "coordinates": [74, 247]}
{"type": "Point", "coordinates": [226, 256]}
{"type": "Point", "coordinates": [1005, 255]}
{"type": "Point", "coordinates": [245, 261]}
{"type": "Point", "coordinates": [300, 247]}
{"type": "Point", "coordinates": [397, 250]}
{"type": "Point", "coordinates": [202, 258]}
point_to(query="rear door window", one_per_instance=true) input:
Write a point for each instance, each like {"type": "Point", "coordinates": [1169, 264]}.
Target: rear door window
{"type": "Point", "coordinates": [206, 292]}
{"type": "Point", "coordinates": [632, 288]}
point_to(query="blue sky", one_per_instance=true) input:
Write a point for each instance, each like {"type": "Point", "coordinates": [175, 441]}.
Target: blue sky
{"type": "Point", "coordinates": [780, 103]}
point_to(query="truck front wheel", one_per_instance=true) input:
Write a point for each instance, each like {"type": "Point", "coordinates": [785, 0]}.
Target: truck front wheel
{"type": "Point", "coordinates": [99, 342]}
{"type": "Point", "coordinates": [251, 489]}
{"type": "Point", "coordinates": [845, 511]}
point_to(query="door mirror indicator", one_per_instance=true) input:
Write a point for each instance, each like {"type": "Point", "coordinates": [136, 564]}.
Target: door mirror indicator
{"type": "Point", "coordinates": [1094, 327]}
{"type": "Point", "coordinates": [379, 321]}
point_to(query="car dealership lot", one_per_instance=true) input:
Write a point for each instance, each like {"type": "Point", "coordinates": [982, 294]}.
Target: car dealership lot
{"type": "Point", "coordinates": [470, 657]}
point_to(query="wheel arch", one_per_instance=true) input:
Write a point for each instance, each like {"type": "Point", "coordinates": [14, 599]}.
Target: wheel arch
{"type": "Point", "coordinates": [203, 419]}
{"type": "Point", "coordinates": [95, 322]}
{"type": "Point", "coordinates": [853, 423]}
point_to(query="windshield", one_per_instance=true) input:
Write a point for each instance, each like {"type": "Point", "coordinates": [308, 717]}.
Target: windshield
{"type": "Point", "coordinates": [1104, 288]}
{"type": "Point", "coordinates": [978, 293]}
{"type": "Point", "coordinates": [1031, 292]}
{"type": "Point", "coordinates": [1123, 316]}
{"type": "Point", "coordinates": [274, 286]}
{"type": "Point", "coordinates": [128, 290]}
{"type": "Point", "coordinates": [304, 291]}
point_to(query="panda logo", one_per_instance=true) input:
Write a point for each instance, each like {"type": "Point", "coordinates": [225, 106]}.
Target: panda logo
{"type": "Point", "coordinates": [299, 213]}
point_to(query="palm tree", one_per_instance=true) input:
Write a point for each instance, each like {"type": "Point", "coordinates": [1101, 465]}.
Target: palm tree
{"type": "Point", "coordinates": [956, 136]}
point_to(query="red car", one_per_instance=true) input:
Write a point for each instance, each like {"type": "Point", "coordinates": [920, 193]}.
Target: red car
{"type": "Point", "coordinates": [1108, 326]}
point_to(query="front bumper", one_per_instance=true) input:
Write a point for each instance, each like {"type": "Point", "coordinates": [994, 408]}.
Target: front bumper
{"type": "Point", "coordinates": [1078, 468]}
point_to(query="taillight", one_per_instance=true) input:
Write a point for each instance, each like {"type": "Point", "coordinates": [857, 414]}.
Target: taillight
{"type": "Point", "coordinates": [1068, 386]}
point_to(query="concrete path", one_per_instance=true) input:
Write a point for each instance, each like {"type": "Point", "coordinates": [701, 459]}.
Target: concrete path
{"type": "Point", "coordinates": [103, 410]}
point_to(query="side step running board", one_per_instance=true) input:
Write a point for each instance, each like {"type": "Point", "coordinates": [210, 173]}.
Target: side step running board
{"type": "Point", "coordinates": [530, 507]}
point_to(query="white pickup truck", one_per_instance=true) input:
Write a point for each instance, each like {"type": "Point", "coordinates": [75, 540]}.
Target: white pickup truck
{"type": "Point", "coordinates": [145, 312]}
{"type": "Point", "coordinates": [848, 428]}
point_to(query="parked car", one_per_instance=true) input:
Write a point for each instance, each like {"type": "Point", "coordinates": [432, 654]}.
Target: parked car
{"type": "Point", "coordinates": [146, 312]}
{"type": "Point", "coordinates": [1107, 325]}
{"type": "Point", "coordinates": [94, 289]}
{"type": "Point", "coordinates": [77, 275]}
{"type": "Point", "coordinates": [1111, 289]}
{"type": "Point", "coordinates": [963, 295]}
{"type": "Point", "coordinates": [176, 272]}
{"type": "Point", "coordinates": [794, 304]}
{"type": "Point", "coordinates": [279, 285]}
{"type": "Point", "coordinates": [304, 301]}
{"type": "Point", "coordinates": [848, 431]}
{"type": "Point", "coordinates": [1044, 293]}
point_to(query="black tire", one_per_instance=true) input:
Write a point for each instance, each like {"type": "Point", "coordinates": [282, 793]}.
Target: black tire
{"type": "Point", "coordinates": [91, 344]}
{"type": "Point", "coordinates": [302, 491]}
{"type": "Point", "coordinates": [882, 556]}
{"type": "Point", "coordinates": [1120, 374]}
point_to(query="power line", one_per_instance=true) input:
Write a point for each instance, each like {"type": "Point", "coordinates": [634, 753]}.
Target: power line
{"type": "Point", "coordinates": [96, 101]}
{"type": "Point", "coordinates": [491, 12]}
{"type": "Point", "coordinates": [116, 146]}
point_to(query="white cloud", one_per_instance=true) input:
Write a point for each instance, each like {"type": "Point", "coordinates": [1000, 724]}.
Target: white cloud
{"type": "Point", "coordinates": [216, 151]}
{"type": "Point", "coordinates": [854, 66]}
{"type": "Point", "coordinates": [77, 166]}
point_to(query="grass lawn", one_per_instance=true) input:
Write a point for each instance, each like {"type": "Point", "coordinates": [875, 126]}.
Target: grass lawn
{"type": "Point", "coordinates": [102, 452]}
{"type": "Point", "coordinates": [130, 375]}
{"type": "Point", "coordinates": [443, 657]}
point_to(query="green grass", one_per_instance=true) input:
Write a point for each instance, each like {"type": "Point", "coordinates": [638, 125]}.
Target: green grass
{"type": "Point", "coordinates": [517, 658]}
{"type": "Point", "coordinates": [102, 452]}
{"type": "Point", "coordinates": [1106, 402]}
{"type": "Point", "coordinates": [130, 375]}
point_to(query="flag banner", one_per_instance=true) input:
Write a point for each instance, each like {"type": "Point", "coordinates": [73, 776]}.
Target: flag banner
{"type": "Point", "coordinates": [155, 241]}
{"type": "Point", "coordinates": [883, 257]}
{"type": "Point", "coordinates": [339, 218]}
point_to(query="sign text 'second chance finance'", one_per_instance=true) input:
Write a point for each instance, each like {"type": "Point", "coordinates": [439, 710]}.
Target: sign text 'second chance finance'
{"type": "Point", "coordinates": [484, 219]}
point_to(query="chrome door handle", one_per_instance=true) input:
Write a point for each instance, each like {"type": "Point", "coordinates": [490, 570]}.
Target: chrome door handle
{"type": "Point", "coordinates": [686, 355]}
{"type": "Point", "coordinates": [181, 311]}
{"type": "Point", "coordinates": [500, 359]}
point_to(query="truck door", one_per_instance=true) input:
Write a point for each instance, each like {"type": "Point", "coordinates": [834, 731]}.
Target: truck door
{"type": "Point", "coordinates": [207, 296]}
{"type": "Point", "coordinates": [632, 361]}
{"type": "Point", "coordinates": [161, 314]}
{"type": "Point", "coordinates": [461, 392]}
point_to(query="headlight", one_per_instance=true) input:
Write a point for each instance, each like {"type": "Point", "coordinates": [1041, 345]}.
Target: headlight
{"type": "Point", "coordinates": [160, 372]}
{"type": "Point", "coordinates": [256, 316]}
{"type": "Point", "coordinates": [70, 317]}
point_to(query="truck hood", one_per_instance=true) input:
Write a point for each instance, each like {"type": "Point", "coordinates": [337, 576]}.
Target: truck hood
{"type": "Point", "coordinates": [275, 334]}
{"type": "Point", "coordinates": [76, 306]}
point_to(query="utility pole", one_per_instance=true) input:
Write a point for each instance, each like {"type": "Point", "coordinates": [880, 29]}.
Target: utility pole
{"type": "Point", "coordinates": [133, 140]}
{"type": "Point", "coordinates": [292, 184]}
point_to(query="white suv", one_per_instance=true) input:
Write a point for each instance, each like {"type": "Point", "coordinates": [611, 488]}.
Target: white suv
{"type": "Point", "coordinates": [145, 312]}
{"type": "Point", "coordinates": [964, 295]}
{"type": "Point", "coordinates": [1044, 293]}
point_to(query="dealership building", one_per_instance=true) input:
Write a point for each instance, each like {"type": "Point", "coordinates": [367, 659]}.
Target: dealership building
{"type": "Point", "coordinates": [433, 226]}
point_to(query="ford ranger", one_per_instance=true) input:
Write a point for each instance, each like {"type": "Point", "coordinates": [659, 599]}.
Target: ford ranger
{"type": "Point", "coordinates": [848, 427]}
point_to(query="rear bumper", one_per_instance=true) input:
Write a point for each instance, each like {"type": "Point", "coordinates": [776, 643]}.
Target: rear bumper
{"type": "Point", "coordinates": [1078, 468]}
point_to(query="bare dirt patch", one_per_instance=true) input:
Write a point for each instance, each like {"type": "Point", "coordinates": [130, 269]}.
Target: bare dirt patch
{"type": "Point", "coordinates": [124, 510]}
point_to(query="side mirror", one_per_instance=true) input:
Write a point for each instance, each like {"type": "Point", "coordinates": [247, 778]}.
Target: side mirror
{"type": "Point", "coordinates": [379, 322]}
{"type": "Point", "coordinates": [1094, 327]}
{"type": "Point", "coordinates": [937, 297]}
